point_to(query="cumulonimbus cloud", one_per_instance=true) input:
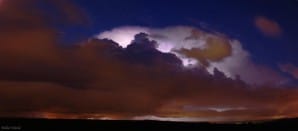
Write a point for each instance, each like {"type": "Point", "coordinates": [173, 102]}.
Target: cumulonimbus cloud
{"type": "Point", "coordinates": [196, 47]}
{"type": "Point", "coordinates": [144, 79]}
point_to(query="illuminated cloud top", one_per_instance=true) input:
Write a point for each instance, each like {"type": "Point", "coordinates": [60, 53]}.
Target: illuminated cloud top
{"type": "Point", "coordinates": [197, 48]}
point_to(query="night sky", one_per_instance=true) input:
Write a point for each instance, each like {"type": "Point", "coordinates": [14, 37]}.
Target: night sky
{"type": "Point", "coordinates": [186, 60]}
{"type": "Point", "coordinates": [235, 19]}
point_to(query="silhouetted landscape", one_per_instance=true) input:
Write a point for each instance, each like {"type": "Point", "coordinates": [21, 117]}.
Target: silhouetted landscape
{"type": "Point", "coordinates": [63, 124]}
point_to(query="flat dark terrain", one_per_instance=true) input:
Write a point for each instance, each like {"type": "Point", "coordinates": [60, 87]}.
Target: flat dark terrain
{"type": "Point", "coordinates": [100, 125]}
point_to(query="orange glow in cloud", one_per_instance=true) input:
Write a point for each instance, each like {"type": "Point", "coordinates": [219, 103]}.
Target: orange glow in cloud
{"type": "Point", "coordinates": [268, 27]}
{"type": "Point", "coordinates": [217, 49]}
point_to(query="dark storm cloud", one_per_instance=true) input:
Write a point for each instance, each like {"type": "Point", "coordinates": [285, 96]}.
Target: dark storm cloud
{"type": "Point", "coordinates": [143, 50]}
{"type": "Point", "coordinates": [99, 78]}
{"type": "Point", "coordinates": [29, 48]}
{"type": "Point", "coordinates": [125, 83]}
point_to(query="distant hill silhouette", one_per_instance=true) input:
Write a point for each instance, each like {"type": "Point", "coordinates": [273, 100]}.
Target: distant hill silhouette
{"type": "Point", "coordinates": [103, 125]}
